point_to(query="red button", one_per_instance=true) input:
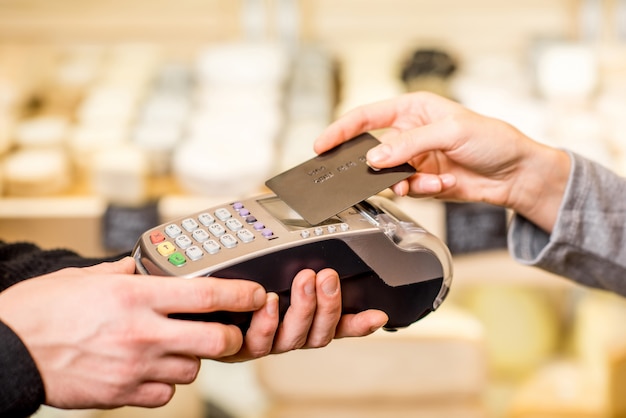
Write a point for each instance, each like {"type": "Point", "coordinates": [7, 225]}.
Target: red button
{"type": "Point", "coordinates": [156, 237]}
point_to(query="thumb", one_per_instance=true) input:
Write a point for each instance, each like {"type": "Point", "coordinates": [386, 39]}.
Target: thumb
{"type": "Point", "coordinates": [124, 266]}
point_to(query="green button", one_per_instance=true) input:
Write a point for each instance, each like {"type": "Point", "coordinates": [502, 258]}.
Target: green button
{"type": "Point", "coordinates": [177, 259]}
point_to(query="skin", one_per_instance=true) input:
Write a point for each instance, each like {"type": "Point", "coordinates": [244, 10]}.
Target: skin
{"type": "Point", "coordinates": [101, 336]}
{"type": "Point", "coordinates": [459, 155]}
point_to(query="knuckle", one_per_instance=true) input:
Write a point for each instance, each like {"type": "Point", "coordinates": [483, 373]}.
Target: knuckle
{"type": "Point", "coordinates": [134, 338]}
{"type": "Point", "coordinates": [221, 344]}
{"type": "Point", "coordinates": [258, 353]}
{"type": "Point", "coordinates": [163, 396]}
{"type": "Point", "coordinates": [327, 314]}
{"type": "Point", "coordinates": [125, 293]}
{"type": "Point", "coordinates": [204, 294]}
{"type": "Point", "coordinates": [330, 310]}
{"type": "Point", "coordinates": [319, 342]}
{"type": "Point", "coordinates": [148, 395]}
{"type": "Point", "coordinates": [129, 374]}
{"type": "Point", "coordinates": [120, 393]}
{"type": "Point", "coordinates": [298, 343]}
{"type": "Point", "coordinates": [189, 371]}
{"type": "Point", "coordinates": [217, 344]}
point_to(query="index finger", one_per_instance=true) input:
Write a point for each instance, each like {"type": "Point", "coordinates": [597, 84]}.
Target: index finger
{"type": "Point", "coordinates": [203, 294]}
{"type": "Point", "coordinates": [361, 119]}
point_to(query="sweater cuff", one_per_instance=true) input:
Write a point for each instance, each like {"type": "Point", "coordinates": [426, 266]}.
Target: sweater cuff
{"type": "Point", "coordinates": [528, 243]}
{"type": "Point", "coordinates": [22, 387]}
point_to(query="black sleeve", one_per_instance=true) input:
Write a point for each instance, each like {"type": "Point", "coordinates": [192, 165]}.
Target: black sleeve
{"type": "Point", "coordinates": [23, 260]}
{"type": "Point", "coordinates": [21, 387]}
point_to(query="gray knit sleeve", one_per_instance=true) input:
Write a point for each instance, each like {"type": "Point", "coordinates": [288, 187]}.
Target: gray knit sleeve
{"type": "Point", "coordinates": [588, 242]}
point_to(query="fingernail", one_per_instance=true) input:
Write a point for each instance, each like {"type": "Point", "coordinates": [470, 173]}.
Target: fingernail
{"type": "Point", "coordinates": [448, 180]}
{"type": "Point", "coordinates": [379, 154]}
{"type": "Point", "coordinates": [371, 166]}
{"type": "Point", "coordinates": [330, 286]}
{"type": "Point", "coordinates": [401, 188]}
{"type": "Point", "coordinates": [381, 322]}
{"type": "Point", "coordinates": [260, 297]}
{"type": "Point", "coordinates": [309, 287]}
{"type": "Point", "coordinates": [432, 185]}
{"type": "Point", "coordinates": [271, 304]}
{"type": "Point", "coordinates": [375, 328]}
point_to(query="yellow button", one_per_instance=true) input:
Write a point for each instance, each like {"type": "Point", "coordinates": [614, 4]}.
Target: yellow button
{"type": "Point", "coordinates": [166, 248]}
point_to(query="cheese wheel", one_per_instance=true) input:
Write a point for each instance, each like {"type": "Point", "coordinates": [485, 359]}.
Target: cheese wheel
{"type": "Point", "coordinates": [119, 175]}
{"type": "Point", "coordinates": [522, 326]}
{"type": "Point", "coordinates": [42, 131]}
{"type": "Point", "coordinates": [37, 172]}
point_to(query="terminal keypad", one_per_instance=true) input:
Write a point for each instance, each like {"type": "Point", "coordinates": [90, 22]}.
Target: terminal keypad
{"type": "Point", "coordinates": [206, 234]}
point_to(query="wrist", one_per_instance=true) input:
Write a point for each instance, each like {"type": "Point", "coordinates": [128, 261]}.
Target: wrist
{"type": "Point", "coordinates": [541, 185]}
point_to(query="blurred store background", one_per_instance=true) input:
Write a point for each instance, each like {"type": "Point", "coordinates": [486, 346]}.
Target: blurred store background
{"type": "Point", "coordinates": [116, 115]}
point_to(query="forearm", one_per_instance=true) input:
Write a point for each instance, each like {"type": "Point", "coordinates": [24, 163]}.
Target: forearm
{"type": "Point", "coordinates": [588, 241]}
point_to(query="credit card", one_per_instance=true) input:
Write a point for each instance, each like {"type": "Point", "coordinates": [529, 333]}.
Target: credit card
{"type": "Point", "coordinates": [325, 185]}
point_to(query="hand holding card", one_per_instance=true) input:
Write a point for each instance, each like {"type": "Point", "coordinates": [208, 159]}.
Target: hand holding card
{"type": "Point", "coordinates": [335, 180]}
